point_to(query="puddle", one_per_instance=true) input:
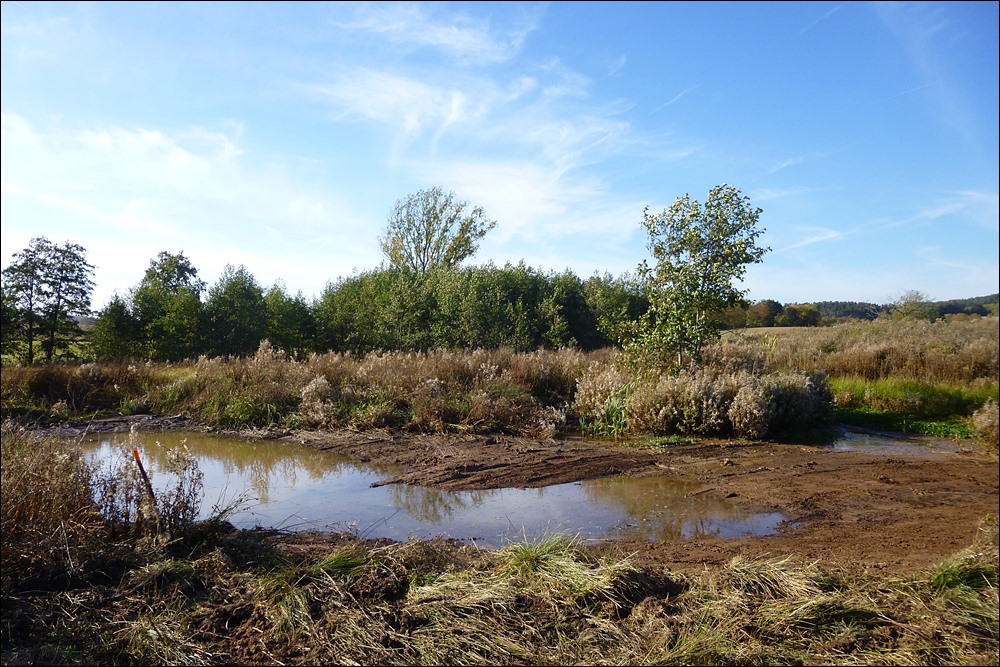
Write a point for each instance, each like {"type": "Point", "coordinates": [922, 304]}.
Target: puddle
{"type": "Point", "coordinates": [874, 443]}
{"type": "Point", "coordinates": [295, 488]}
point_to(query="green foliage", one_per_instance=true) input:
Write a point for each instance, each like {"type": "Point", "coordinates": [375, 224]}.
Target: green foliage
{"type": "Point", "coordinates": [235, 313]}
{"type": "Point", "coordinates": [699, 252]}
{"type": "Point", "coordinates": [116, 333]}
{"type": "Point", "coordinates": [611, 419]}
{"type": "Point", "coordinates": [849, 309]}
{"type": "Point", "coordinates": [473, 307]}
{"type": "Point", "coordinates": [763, 313]}
{"type": "Point", "coordinates": [798, 315]}
{"type": "Point", "coordinates": [614, 303]}
{"type": "Point", "coordinates": [918, 399]}
{"type": "Point", "coordinates": [430, 229]}
{"type": "Point", "coordinates": [902, 423]}
{"type": "Point", "coordinates": [167, 309]}
{"type": "Point", "coordinates": [43, 289]}
{"type": "Point", "coordinates": [913, 305]}
{"type": "Point", "coordinates": [290, 321]}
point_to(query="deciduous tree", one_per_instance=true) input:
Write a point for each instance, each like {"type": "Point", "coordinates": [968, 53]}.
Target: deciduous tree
{"type": "Point", "coordinates": [167, 308]}
{"type": "Point", "coordinates": [116, 334]}
{"type": "Point", "coordinates": [290, 325]}
{"type": "Point", "coordinates": [430, 229]}
{"type": "Point", "coordinates": [236, 313]}
{"type": "Point", "coordinates": [699, 251]}
{"type": "Point", "coordinates": [45, 288]}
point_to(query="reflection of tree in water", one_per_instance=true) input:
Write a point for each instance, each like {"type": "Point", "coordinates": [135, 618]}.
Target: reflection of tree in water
{"type": "Point", "coordinates": [432, 505]}
{"type": "Point", "coordinates": [262, 465]}
{"type": "Point", "coordinates": [671, 510]}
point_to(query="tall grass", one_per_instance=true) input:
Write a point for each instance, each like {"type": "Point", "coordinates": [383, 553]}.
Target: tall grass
{"type": "Point", "coordinates": [960, 352]}
{"type": "Point", "coordinates": [754, 383]}
{"type": "Point", "coordinates": [48, 517]}
{"type": "Point", "coordinates": [58, 510]}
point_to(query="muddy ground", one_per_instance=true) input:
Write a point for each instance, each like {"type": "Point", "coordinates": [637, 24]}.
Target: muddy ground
{"type": "Point", "coordinates": [897, 512]}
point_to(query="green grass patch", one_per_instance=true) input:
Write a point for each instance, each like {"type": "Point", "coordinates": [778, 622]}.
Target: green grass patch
{"type": "Point", "coordinates": [924, 401]}
{"type": "Point", "coordinates": [665, 442]}
{"type": "Point", "coordinates": [902, 423]}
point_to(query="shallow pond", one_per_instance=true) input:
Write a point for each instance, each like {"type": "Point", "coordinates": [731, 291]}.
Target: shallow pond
{"type": "Point", "coordinates": [291, 487]}
{"type": "Point", "coordinates": [875, 443]}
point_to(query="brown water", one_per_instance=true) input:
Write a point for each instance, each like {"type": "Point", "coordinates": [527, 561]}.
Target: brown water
{"type": "Point", "coordinates": [892, 445]}
{"type": "Point", "coordinates": [292, 487]}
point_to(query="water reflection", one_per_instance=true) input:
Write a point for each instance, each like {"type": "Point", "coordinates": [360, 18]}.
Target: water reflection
{"type": "Point", "coordinates": [298, 488]}
{"type": "Point", "coordinates": [873, 443]}
{"type": "Point", "coordinates": [435, 506]}
{"type": "Point", "coordinates": [668, 509]}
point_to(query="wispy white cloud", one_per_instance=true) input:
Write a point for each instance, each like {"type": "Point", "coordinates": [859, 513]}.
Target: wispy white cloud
{"type": "Point", "coordinates": [676, 97]}
{"type": "Point", "coordinates": [825, 16]}
{"type": "Point", "coordinates": [784, 164]}
{"type": "Point", "coordinates": [982, 208]}
{"type": "Point", "coordinates": [618, 64]}
{"type": "Point", "coordinates": [929, 212]}
{"type": "Point", "coordinates": [409, 106]}
{"type": "Point", "coordinates": [812, 236]}
{"type": "Point", "coordinates": [770, 194]}
{"type": "Point", "coordinates": [456, 33]}
{"type": "Point", "coordinates": [928, 37]}
{"type": "Point", "coordinates": [522, 116]}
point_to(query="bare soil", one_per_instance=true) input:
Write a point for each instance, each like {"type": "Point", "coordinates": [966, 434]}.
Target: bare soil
{"type": "Point", "coordinates": [896, 513]}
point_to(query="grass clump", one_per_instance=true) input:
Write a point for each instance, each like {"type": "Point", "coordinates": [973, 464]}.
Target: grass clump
{"type": "Point", "coordinates": [986, 423]}
{"type": "Point", "coordinates": [50, 525]}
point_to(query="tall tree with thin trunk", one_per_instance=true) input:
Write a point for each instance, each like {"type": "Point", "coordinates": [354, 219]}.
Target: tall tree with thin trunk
{"type": "Point", "coordinates": [236, 313]}
{"type": "Point", "coordinates": [47, 286]}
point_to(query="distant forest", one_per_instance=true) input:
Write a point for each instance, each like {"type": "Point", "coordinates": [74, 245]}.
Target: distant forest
{"type": "Point", "coordinates": [867, 311]}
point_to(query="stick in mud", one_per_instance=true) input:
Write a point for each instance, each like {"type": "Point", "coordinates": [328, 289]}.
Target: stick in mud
{"type": "Point", "coordinates": [145, 477]}
{"type": "Point", "coordinates": [149, 491]}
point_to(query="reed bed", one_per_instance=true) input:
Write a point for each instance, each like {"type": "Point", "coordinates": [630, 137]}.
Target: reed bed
{"type": "Point", "coordinates": [758, 383]}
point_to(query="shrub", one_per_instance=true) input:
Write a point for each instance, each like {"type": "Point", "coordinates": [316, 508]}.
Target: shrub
{"type": "Point", "coordinates": [600, 398]}
{"type": "Point", "coordinates": [705, 402]}
{"type": "Point", "coordinates": [986, 422]}
{"type": "Point", "coordinates": [796, 400]}
{"type": "Point", "coordinates": [694, 402]}
{"type": "Point", "coordinates": [749, 414]}
{"type": "Point", "coordinates": [317, 405]}
{"type": "Point", "coordinates": [434, 408]}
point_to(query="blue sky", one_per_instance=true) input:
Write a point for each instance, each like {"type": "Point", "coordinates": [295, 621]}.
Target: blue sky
{"type": "Point", "coordinates": [279, 135]}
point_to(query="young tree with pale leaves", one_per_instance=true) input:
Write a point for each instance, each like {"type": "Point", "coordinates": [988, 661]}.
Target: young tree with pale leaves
{"type": "Point", "coordinates": [699, 251]}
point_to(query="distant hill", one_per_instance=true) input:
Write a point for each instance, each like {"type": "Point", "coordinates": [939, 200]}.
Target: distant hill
{"type": "Point", "coordinates": [976, 305]}
{"type": "Point", "coordinates": [869, 311]}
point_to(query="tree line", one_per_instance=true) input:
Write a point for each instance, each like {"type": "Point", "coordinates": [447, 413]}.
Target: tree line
{"type": "Point", "coordinates": [423, 298]}
{"type": "Point", "coordinates": [382, 309]}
